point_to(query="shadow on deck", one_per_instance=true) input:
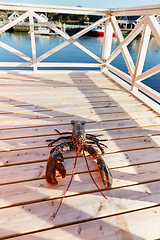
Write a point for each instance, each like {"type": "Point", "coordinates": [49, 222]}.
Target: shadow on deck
{"type": "Point", "coordinates": [34, 104]}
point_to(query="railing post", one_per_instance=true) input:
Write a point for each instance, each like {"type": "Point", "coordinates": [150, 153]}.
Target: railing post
{"type": "Point", "coordinates": [33, 44]}
{"type": "Point", "coordinates": [107, 44]}
{"type": "Point", "coordinates": [142, 52]}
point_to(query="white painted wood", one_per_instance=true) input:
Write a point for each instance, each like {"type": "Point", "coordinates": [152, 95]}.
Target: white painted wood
{"type": "Point", "coordinates": [50, 64]}
{"type": "Point", "coordinates": [149, 73]}
{"type": "Point", "coordinates": [153, 105]}
{"type": "Point", "coordinates": [149, 91]}
{"type": "Point", "coordinates": [143, 48]}
{"type": "Point", "coordinates": [108, 34]}
{"type": "Point", "coordinates": [126, 55]}
{"type": "Point", "coordinates": [69, 39]}
{"type": "Point", "coordinates": [57, 30]}
{"type": "Point", "coordinates": [14, 51]}
{"type": "Point", "coordinates": [95, 24]}
{"type": "Point", "coordinates": [150, 22]}
{"type": "Point", "coordinates": [126, 41]}
{"type": "Point", "coordinates": [155, 28]}
{"type": "Point", "coordinates": [119, 73]}
{"type": "Point", "coordinates": [54, 9]}
{"type": "Point", "coordinates": [73, 64]}
{"type": "Point", "coordinates": [142, 51]}
{"type": "Point", "coordinates": [14, 22]}
{"type": "Point", "coordinates": [33, 44]}
{"type": "Point", "coordinates": [15, 64]}
{"type": "Point", "coordinates": [136, 73]}
{"type": "Point", "coordinates": [141, 10]}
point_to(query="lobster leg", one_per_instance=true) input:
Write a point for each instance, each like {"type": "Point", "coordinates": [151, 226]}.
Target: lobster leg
{"type": "Point", "coordinates": [56, 162]}
{"type": "Point", "coordinates": [103, 168]}
{"type": "Point", "coordinates": [98, 145]}
{"type": "Point", "coordinates": [94, 137]}
{"type": "Point", "coordinates": [61, 133]}
{"type": "Point", "coordinates": [95, 140]}
{"type": "Point", "coordinates": [52, 141]}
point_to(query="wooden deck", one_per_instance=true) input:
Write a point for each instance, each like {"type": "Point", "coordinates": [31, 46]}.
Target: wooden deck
{"type": "Point", "coordinates": [34, 104]}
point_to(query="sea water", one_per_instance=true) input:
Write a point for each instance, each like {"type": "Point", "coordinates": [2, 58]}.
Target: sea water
{"type": "Point", "coordinates": [71, 53]}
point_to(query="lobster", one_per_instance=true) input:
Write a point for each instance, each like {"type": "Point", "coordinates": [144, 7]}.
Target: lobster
{"type": "Point", "coordinates": [80, 141]}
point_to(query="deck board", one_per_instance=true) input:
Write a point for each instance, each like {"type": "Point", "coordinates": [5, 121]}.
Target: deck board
{"type": "Point", "coordinates": [32, 105]}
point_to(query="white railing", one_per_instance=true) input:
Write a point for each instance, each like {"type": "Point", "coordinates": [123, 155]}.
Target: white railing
{"type": "Point", "coordinates": [147, 25]}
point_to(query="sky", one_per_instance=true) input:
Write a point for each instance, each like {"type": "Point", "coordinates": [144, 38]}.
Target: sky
{"type": "Point", "coordinates": [90, 3]}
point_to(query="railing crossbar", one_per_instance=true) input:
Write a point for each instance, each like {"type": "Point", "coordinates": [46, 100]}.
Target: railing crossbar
{"type": "Point", "coordinates": [147, 25]}
{"type": "Point", "coordinates": [69, 39]}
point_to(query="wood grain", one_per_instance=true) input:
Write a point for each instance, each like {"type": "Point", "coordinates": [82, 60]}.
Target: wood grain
{"type": "Point", "coordinates": [31, 107]}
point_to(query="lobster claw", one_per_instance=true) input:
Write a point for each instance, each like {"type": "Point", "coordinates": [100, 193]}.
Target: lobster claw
{"type": "Point", "coordinates": [105, 172]}
{"type": "Point", "coordinates": [55, 163]}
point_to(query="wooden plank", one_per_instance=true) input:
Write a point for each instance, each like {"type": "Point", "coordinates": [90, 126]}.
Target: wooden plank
{"type": "Point", "coordinates": [27, 200]}
{"type": "Point", "coordinates": [132, 225]}
{"type": "Point", "coordinates": [57, 83]}
{"type": "Point", "coordinates": [18, 100]}
{"type": "Point", "coordinates": [23, 190]}
{"type": "Point", "coordinates": [116, 145]}
{"type": "Point", "coordinates": [62, 92]}
{"type": "Point", "coordinates": [37, 216]}
{"type": "Point", "coordinates": [122, 176]}
{"type": "Point", "coordinates": [67, 119]}
{"type": "Point", "coordinates": [13, 99]}
{"type": "Point", "coordinates": [54, 75]}
{"type": "Point", "coordinates": [82, 94]}
{"type": "Point", "coordinates": [109, 134]}
{"type": "Point", "coordinates": [66, 80]}
{"type": "Point", "coordinates": [102, 90]}
{"type": "Point", "coordinates": [59, 105]}
{"type": "Point", "coordinates": [39, 79]}
{"type": "Point", "coordinates": [27, 119]}
{"type": "Point", "coordinates": [86, 111]}
{"type": "Point", "coordinates": [118, 159]}
{"type": "Point", "coordinates": [91, 126]}
{"type": "Point", "coordinates": [47, 110]}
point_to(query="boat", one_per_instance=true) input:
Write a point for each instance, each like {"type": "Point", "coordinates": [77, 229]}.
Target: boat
{"type": "Point", "coordinates": [42, 31]}
{"type": "Point", "coordinates": [126, 24]}
{"type": "Point", "coordinates": [99, 31]}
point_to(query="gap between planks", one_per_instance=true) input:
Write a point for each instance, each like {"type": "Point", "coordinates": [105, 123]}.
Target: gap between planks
{"type": "Point", "coordinates": [103, 228]}
{"type": "Point", "coordinates": [133, 171]}
{"type": "Point", "coordinates": [122, 212]}
{"type": "Point", "coordinates": [73, 213]}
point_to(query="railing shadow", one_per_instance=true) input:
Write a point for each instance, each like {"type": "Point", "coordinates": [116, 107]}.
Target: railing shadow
{"type": "Point", "coordinates": [124, 193]}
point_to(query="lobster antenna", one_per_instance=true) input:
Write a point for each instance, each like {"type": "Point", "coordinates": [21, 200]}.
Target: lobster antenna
{"type": "Point", "coordinates": [92, 176]}
{"type": "Point", "coordinates": [54, 214]}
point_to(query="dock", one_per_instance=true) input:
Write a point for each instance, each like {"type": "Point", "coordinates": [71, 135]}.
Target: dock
{"type": "Point", "coordinates": [115, 104]}
{"type": "Point", "coordinates": [33, 105]}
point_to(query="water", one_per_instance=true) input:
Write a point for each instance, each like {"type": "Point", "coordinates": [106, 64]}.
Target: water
{"type": "Point", "coordinates": [70, 53]}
